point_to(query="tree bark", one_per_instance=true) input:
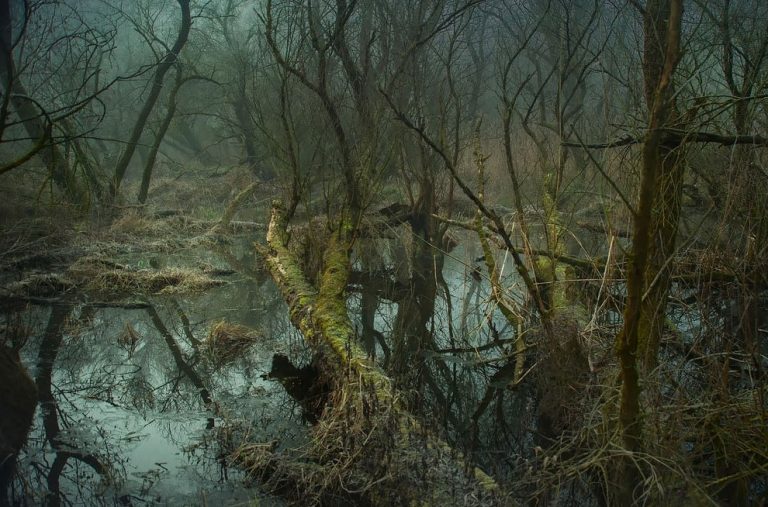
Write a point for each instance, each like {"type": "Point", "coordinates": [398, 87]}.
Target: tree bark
{"type": "Point", "coordinates": [149, 166]}
{"type": "Point", "coordinates": [242, 109]}
{"type": "Point", "coordinates": [662, 19]}
{"type": "Point", "coordinates": [365, 410]}
{"type": "Point", "coordinates": [667, 156]}
{"type": "Point", "coordinates": [33, 119]}
{"type": "Point", "coordinates": [157, 86]}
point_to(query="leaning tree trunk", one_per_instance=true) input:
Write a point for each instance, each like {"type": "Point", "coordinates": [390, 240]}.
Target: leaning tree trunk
{"type": "Point", "coordinates": [154, 93]}
{"type": "Point", "coordinates": [149, 166]}
{"type": "Point", "coordinates": [384, 450]}
{"type": "Point", "coordinates": [34, 120]}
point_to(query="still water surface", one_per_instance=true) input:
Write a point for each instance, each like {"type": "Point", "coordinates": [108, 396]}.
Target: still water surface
{"type": "Point", "coordinates": [128, 426]}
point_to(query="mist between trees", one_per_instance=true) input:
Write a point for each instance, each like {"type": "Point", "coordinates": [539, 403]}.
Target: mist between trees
{"type": "Point", "coordinates": [525, 242]}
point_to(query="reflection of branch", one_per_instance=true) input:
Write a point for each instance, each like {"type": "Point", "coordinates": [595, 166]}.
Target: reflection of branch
{"type": "Point", "coordinates": [61, 461]}
{"type": "Point", "coordinates": [49, 350]}
{"type": "Point", "coordinates": [566, 259]}
{"type": "Point", "coordinates": [249, 269]}
{"type": "Point", "coordinates": [496, 384]}
{"type": "Point", "coordinates": [18, 301]}
{"type": "Point", "coordinates": [490, 214]}
{"type": "Point", "coordinates": [178, 356]}
{"type": "Point", "coordinates": [497, 343]}
{"type": "Point", "coordinates": [186, 325]}
{"type": "Point", "coordinates": [381, 284]}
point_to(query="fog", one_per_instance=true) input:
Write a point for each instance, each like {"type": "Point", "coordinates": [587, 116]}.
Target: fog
{"type": "Point", "coordinates": [510, 252]}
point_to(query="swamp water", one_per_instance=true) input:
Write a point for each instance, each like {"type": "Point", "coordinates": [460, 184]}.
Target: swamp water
{"type": "Point", "coordinates": [141, 413]}
{"type": "Point", "coordinates": [130, 423]}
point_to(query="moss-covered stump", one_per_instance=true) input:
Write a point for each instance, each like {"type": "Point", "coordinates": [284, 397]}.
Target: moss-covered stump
{"type": "Point", "coordinates": [365, 442]}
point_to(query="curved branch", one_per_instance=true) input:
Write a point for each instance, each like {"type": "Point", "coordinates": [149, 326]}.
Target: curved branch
{"type": "Point", "coordinates": [157, 86]}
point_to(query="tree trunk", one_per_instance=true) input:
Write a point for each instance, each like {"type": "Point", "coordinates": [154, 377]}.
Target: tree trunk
{"type": "Point", "coordinates": [33, 119]}
{"type": "Point", "coordinates": [372, 432]}
{"type": "Point", "coordinates": [190, 137]}
{"type": "Point", "coordinates": [660, 60]}
{"type": "Point", "coordinates": [149, 166]}
{"type": "Point", "coordinates": [668, 182]}
{"type": "Point", "coordinates": [242, 108]}
{"type": "Point", "coordinates": [233, 206]}
{"type": "Point", "coordinates": [157, 86]}
{"type": "Point", "coordinates": [665, 218]}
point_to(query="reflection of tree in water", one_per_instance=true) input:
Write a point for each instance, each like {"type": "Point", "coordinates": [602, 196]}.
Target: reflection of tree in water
{"type": "Point", "coordinates": [443, 339]}
{"type": "Point", "coordinates": [67, 450]}
{"type": "Point", "coordinates": [96, 366]}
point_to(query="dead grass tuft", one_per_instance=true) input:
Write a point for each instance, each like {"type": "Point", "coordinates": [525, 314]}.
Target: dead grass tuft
{"type": "Point", "coordinates": [129, 338]}
{"type": "Point", "coordinates": [105, 277]}
{"type": "Point", "coordinates": [136, 223]}
{"type": "Point", "coordinates": [227, 341]}
{"type": "Point", "coordinates": [41, 286]}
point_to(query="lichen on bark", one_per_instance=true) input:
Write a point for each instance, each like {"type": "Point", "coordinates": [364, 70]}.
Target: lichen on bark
{"type": "Point", "coordinates": [365, 430]}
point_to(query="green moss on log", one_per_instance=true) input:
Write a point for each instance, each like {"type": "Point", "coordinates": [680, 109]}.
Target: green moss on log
{"type": "Point", "coordinates": [321, 315]}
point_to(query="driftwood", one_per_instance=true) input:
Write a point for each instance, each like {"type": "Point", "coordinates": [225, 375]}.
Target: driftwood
{"type": "Point", "coordinates": [366, 441]}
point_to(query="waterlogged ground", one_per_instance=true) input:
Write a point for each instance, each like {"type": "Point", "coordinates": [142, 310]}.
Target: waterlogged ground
{"type": "Point", "coordinates": [128, 423]}
{"type": "Point", "coordinates": [141, 409]}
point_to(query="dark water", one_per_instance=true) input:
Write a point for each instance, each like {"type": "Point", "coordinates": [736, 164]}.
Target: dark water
{"type": "Point", "coordinates": [143, 416]}
{"type": "Point", "coordinates": [128, 423]}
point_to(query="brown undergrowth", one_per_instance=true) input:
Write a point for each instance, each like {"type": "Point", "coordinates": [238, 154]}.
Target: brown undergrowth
{"type": "Point", "coordinates": [699, 448]}
{"type": "Point", "coordinates": [362, 452]}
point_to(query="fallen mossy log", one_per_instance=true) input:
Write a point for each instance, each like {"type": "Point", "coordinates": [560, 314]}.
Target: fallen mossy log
{"type": "Point", "coordinates": [366, 441]}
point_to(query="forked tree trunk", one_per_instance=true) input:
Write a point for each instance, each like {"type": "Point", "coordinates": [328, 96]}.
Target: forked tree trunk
{"type": "Point", "coordinates": [154, 93]}
{"type": "Point", "coordinates": [149, 165]}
